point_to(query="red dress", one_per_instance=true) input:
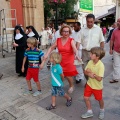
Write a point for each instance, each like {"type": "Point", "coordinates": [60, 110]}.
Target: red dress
{"type": "Point", "coordinates": [67, 63]}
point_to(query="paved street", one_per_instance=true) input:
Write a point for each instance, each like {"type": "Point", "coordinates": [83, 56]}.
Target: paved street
{"type": "Point", "coordinates": [15, 106]}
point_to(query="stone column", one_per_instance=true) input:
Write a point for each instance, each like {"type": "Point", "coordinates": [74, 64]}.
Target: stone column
{"type": "Point", "coordinates": [33, 11]}
{"type": "Point", "coordinates": [117, 9]}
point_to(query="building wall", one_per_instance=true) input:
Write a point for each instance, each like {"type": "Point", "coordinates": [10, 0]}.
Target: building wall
{"type": "Point", "coordinates": [117, 9]}
{"type": "Point", "coordinates": [29, 12]}
{"type": "Point", "coordinates": [33, 13]}
{"type": "Point", "coordinates": [6, 5]}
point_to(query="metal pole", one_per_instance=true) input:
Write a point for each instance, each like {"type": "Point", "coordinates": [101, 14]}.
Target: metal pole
{"type": "Point", "coordinates": [56, 17]}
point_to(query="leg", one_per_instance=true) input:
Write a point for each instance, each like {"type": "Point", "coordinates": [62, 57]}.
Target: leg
{"type": "Point", "coordinates": [101, 114]}
{"type": "Point", "coordinates": [101, 103]}
{"type": "Point", "coordinates": [69, 100]}
{"type": "Point", "coordinates": [89, 112]}
{"type": "Point", "coordinates": [53, 100]}
{"type": "Point", "coordinates": [116, 65]}
{"type": "Point", "coordinates": [38, 85]}
{"type": "Point", "coordinates": [29, 84]}
{"type": "Point", "coordinates": [87, 102]}
{"type": "Point", "coordinates": [67, 97]}
{"type": "Point", "coordinates": [70, 80]}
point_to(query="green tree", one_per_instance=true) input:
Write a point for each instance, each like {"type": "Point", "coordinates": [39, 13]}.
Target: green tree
{"type": "Point", "coordinates": [66, 9]}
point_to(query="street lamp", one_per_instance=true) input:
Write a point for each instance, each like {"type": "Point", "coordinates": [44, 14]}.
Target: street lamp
{"type": "Point", "coordinates": [56, 2]}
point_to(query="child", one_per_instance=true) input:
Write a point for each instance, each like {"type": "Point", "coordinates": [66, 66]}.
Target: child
{"type": "Point", "coordinates": [33, 55]}
{"type": "Point", "coordinates": [57, 78]}
{"type": "Point", "coordinates": [95, 72]}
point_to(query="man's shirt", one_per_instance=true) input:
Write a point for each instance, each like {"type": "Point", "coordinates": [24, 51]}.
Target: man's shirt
{"type": "Point", "coordinates": [91, 37]}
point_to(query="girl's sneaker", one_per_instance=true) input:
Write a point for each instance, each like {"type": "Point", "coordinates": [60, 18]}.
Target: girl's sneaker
{"type": "Point", "coordinates": [37, 93]}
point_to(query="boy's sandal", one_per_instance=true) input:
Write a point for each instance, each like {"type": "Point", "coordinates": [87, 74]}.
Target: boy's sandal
{"type": "Point", "coordinates": [51, 107]}
{"type": "Point", "coordinates": [69, 102]}
{"type": "Point", "coordinates": [113, 81]}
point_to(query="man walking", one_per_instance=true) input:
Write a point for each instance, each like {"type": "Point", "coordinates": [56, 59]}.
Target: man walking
{"type": "Point", "coordinates": [76, 36]}
{"type": "Point", "coordinates": [115, 50]}
{"type": "Point", "coordinates": [91, 36]}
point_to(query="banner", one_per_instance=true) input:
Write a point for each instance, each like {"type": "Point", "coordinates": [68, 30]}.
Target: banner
{"type": "Point", "coordinates": [86, 6]}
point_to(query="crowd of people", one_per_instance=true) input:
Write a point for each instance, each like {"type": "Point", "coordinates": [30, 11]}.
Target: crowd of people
{"type": "Point", "coordinates": [71, 53]}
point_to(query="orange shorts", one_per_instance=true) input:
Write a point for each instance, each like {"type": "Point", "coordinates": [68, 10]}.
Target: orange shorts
{"type": "Point", "coordinates": [32, 73]}
{"type": "Point", "coordinates": [88, 91]}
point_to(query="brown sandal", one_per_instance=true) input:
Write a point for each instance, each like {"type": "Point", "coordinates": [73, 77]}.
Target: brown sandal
{"type": "Point", "coordinates": [113, 81]}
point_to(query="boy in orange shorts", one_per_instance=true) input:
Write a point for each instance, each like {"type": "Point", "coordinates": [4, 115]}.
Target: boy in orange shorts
{"type": "Point", "coordinates": [95, 72]}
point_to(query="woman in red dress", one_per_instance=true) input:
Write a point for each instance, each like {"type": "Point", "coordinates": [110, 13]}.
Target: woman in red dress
{"type": "Point", "coordinates": [66, 47]}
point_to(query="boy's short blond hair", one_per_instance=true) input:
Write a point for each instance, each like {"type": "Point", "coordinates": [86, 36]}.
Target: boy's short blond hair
{"type": "Point", "coordinates": [32, 41]}
{"type": "Point", "coordinates": [98, 51]}
{"type": "Point", "coordinates": [56, 57]}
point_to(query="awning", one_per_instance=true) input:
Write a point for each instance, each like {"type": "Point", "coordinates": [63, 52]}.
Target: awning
{"type": "Point", "coordinates": [110, 12]}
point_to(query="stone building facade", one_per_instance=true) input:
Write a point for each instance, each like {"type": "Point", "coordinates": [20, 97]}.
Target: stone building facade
{"type": "Point", "coordinates": [28, 12]}
{"type": "Point", "coordinates": [117, 9]}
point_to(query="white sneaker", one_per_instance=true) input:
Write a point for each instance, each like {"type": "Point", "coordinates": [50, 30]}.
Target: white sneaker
{"type": "Point", "coordinates": [87, 115]}
{"type": "Point", "coordinates": [71, 89]}
{"type": "Point", "coordinates": [101, 115]}
{"type": "Point", "coordinates": [37, 93]}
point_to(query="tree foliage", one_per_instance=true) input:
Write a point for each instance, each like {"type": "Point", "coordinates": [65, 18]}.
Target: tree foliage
{"type": "Point", "coordinates": [66, 8]}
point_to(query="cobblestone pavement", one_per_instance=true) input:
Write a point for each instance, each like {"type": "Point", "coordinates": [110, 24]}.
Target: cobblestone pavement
{"type": "Point", "coordinates": [14, 105]}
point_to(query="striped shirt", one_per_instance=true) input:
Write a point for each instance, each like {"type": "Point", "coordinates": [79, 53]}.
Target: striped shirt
{"type": "Point", "coordinates": [33, 57]}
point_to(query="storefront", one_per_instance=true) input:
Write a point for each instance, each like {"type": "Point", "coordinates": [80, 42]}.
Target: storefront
{"type": "Point", "coordinates": [108, 18]}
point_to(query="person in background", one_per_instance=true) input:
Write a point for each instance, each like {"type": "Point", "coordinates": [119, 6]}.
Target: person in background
{"type": "Point", "coordinates": [20, 45]}
{"type": "Point", "coordinates": [111, 31]}
{"type": "Point", "coordinates": [104, 30]}
{"type": "Point", "coordinates": [44, 38]}
{"type": "Point", "coordinates": [115, 50]}
{"type": "Point", "coordinates": [76, 37]}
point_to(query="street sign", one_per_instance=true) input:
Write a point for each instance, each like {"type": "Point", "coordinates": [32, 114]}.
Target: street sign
{"type": "Point", "coordinates": [86, 6]}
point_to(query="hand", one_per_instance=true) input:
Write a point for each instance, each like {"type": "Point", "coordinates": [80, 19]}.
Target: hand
{"type": "Point", "coordinates": [45, 58]}
{"type": "Point", "coordinates": [23, 69]}
{"type": "Point", "coordinates": [78, 58]}
{"type": "Point", "coordinates": [92, 75]}
{"type": "Point", "coordinates": [41, 66]}
{"type": "Point", "coordinates": [111, 51]}
{"type": "Point", "coordinates": [15, 45]}
{"type": "Point", "coordinates": [88, 70]}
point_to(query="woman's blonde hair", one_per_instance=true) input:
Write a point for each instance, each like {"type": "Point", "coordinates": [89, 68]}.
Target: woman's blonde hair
{"type": "Point", "coordinates": [65, 26]}
{"type": "Point", "coordinates": [56, 57]}
{"type": "Point", "coordinates": [32, 41]}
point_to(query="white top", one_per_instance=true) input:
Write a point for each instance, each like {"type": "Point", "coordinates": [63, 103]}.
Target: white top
{"type": "Point", "coordinates": [91, 37]}
{"type": "Point", "coordinates": [18, 36]}
{"type": "Point", "coordinates": [57, 34]}
{"type": "Point", "coordinates": [76, 37]}
{"type": "Point", "coordinates": [31, 34]}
